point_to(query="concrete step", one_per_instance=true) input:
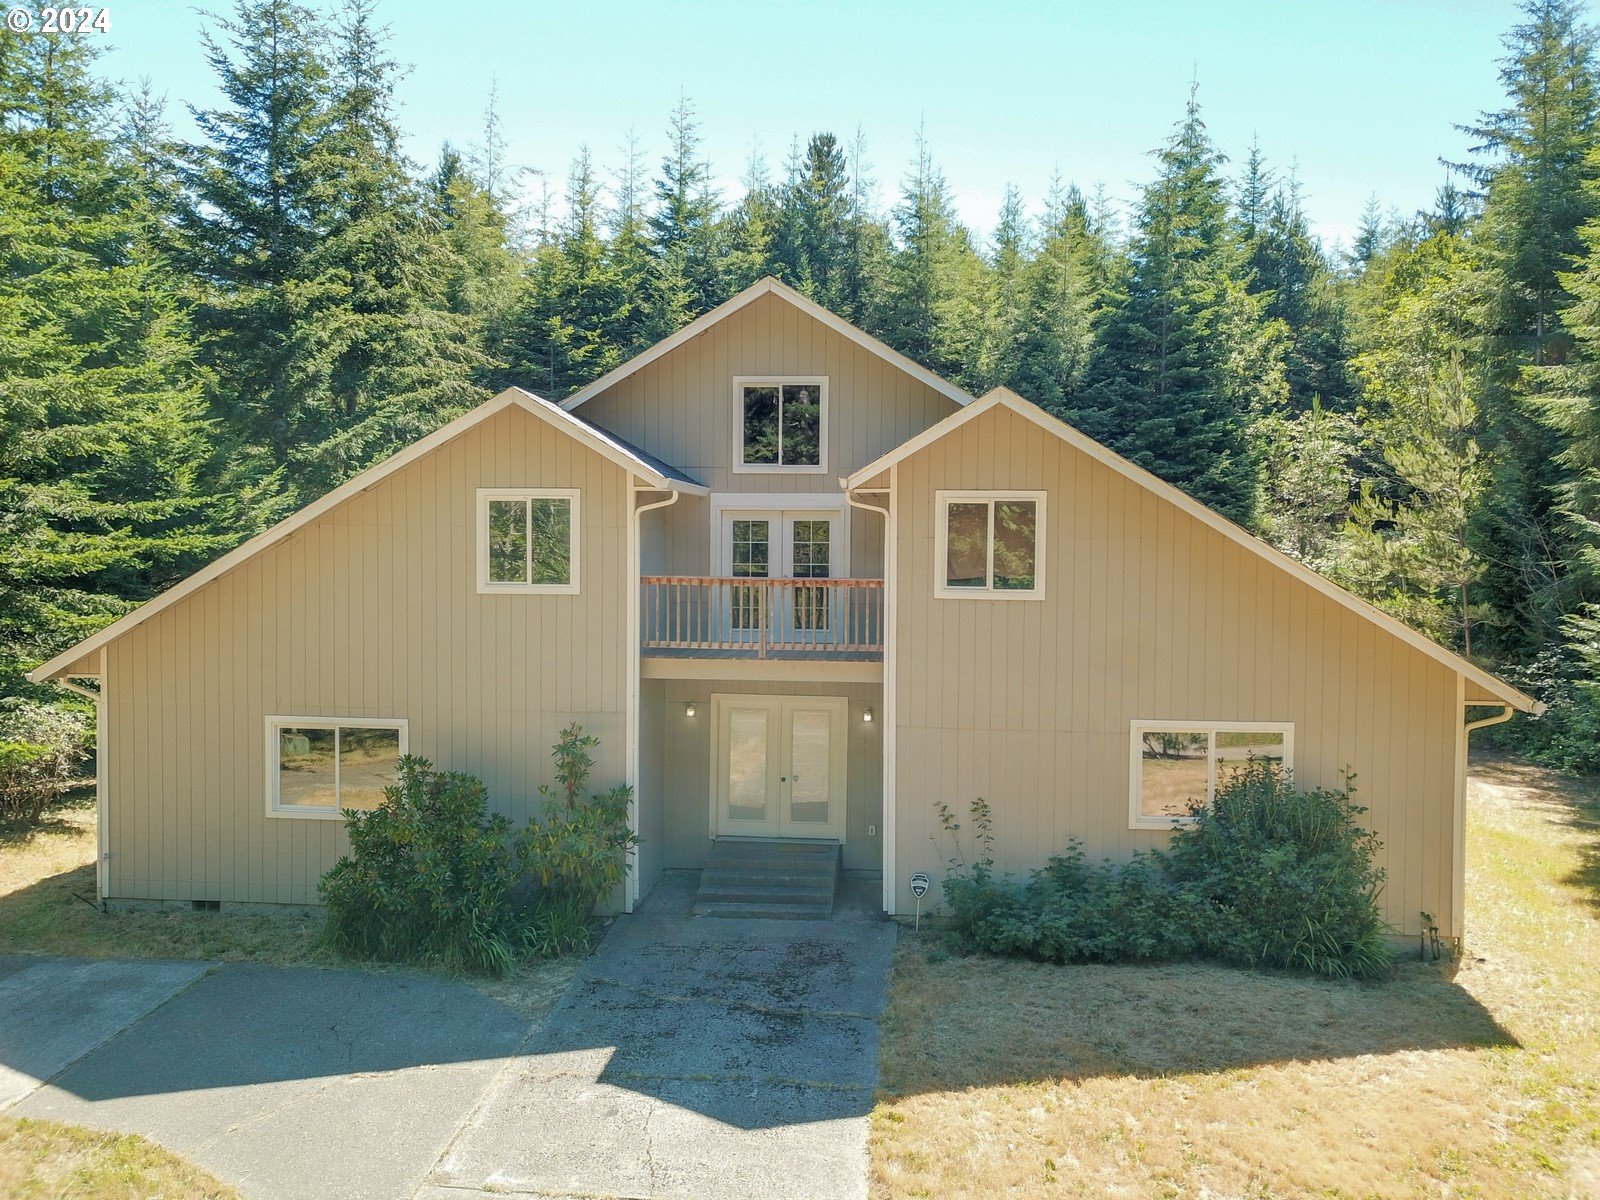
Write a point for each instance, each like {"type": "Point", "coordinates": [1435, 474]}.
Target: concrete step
{"type": "Point", "coordinates": [748, 877]}
{"type": "Point", "coordinates": [770, 912]}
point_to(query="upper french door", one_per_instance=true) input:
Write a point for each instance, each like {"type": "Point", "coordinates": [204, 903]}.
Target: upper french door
{"type": "Point", "coordinates": [803, 544]}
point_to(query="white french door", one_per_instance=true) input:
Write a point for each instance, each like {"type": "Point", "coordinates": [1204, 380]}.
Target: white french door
{"type": "Point", "coordinates": [779, 766]}
{"type": "Point", "coordinates": [803, 544]}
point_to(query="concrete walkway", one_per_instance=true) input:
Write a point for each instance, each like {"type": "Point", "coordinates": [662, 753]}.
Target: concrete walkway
{"type": "Point", "coordinates": [691, 1057]}
{"type": "Point", "coordinates": [704, 1058]}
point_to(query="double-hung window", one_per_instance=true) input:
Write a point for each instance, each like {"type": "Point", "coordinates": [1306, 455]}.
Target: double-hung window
{"type": "Point", "coordinates": [1175, 765]}
{"type": "Point", "coordinates": [528, 540]}
{"type": "Point", "coordinates": [782, 424]}
{"type": "Point", "coordinates": [989, 544]}
{"type": "Point", "coordinates": [321, 766]}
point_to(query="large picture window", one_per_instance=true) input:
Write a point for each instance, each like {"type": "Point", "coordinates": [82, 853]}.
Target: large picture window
{"type": "Point", "coordinates": [528, 540]}
{"type": "Point", "coordinates": [1177, 764]}
{"type": "Point", "coordinates": [321, 766]}
{"type": "Point", "coordinates": [782, 424]}
{"type": "Point", "coordinates": [989, 544]}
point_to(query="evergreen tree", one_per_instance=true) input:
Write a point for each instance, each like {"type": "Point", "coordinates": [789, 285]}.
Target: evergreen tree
{"type": "Point", "coordinates": [1537, 195]}
{"type": "Point", "coordinates": [683, 231]}
{"type": "Point", "coordinates": [752, 228]}
{"type": "Point", "coordinates": [1180, 362]}
{"type": "Point", "coordinates": [814, 223]}
{"type": "Point", "coordinates": [107, 491]}
{"type": "Point", "coordinates": [933, 300]}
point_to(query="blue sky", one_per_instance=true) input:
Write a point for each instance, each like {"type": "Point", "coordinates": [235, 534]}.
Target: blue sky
{"type": "Point", "coordinates": [1361, 95]}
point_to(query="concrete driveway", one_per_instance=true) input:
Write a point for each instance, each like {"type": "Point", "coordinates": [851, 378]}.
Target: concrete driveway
{"type": "Point", "coordinates": [691, 1057]}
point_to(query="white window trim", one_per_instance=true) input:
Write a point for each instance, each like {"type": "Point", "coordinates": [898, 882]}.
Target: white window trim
{"type": "Point", "coordinates": [773, 506]}
{"type": "Point", "coordinates": [740, 467]}
{"type": "Point", "coordinates": [1137, 730]}
{"type": "Point", "coordinates": [277, 724]}
{"type": "Point", "coordinates": [942, 500]}
{"type": "Point", "coordinates": [488, 588]}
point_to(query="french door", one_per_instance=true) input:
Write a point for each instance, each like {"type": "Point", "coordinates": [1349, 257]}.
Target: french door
{"type": "Point", "coordinates": [782, 545]}
{"type": "Point", "coordinates": [779, 766]}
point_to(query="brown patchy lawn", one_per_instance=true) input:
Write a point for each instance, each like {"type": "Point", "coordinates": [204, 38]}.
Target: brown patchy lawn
{"type": "Point", "coordinates": [44, 1160]}
{"type": "Point", "coordinates": [47, 875]}
{"type": "Point", "coordinates": [1021, 1079]}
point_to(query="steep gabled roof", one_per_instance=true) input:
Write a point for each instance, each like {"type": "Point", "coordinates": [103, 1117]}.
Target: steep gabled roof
{"type": "Point", "coordinates": [653, 471]}
{"type": "Point", "coordinates": [1004, 398]}
{"type": "Point", "coordinates": [768, 287]}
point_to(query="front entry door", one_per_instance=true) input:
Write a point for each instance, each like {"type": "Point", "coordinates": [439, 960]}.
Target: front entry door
{"type": "Point", "coordinates": [779, 766]}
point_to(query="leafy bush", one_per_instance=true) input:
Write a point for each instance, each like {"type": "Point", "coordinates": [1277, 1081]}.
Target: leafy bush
{"type": "Point", "coordinates": [41, 749]}
{"type": "Point", "coordinates": [1267, 876]}
{"type": "Point", "coordinates": [428, 877]}
{"type": "Point", "coordinates": [1566, 736]}
{"type": "Point", "coordinates": [575, 851]}
{"type": "Point", "coordinates": [1281, 877]}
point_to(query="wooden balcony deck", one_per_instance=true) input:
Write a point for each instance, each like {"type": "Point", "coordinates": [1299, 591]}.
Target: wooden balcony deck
{"type": "Point", "coordinates": [690, 616]}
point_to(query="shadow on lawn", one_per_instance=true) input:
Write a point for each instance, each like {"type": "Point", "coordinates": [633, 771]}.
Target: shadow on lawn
{"type": "Point", "coordinates": [979, 1022]}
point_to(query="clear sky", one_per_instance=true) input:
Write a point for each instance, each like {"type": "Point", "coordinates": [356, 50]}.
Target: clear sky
{"type": "Point", "coordinates": [1361, 95]}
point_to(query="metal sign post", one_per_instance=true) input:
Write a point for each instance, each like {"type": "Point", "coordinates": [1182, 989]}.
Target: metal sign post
{"type": "Point", "coordinates": [919, 889]}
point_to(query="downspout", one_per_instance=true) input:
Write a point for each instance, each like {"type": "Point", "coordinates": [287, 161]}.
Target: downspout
{"type": "Point", "coordinates": [630, 885]}
{"type": "Point", "coordinates": [102, 774]}
{"type": "Point", "coordinates": [1458, 881]}
{"type": "Point", "coordinates": [890, 553]}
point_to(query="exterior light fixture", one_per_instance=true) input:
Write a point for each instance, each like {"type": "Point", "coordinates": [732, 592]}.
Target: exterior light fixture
{"type": "Point", "coordinates": [866, 714]}
{"type": "Point", "coordinates": [688, 709]}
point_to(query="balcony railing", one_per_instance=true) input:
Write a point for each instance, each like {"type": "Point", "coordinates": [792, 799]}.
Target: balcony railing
{"type": "Point", "coordinates": [693, 616]}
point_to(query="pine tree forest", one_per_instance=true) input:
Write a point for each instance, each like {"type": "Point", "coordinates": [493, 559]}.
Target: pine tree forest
{"type": "Point", "coordinates": [197, 337]}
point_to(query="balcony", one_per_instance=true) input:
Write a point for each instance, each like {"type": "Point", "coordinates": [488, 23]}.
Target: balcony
{"type": "Point", "coordinates": [687, 616]}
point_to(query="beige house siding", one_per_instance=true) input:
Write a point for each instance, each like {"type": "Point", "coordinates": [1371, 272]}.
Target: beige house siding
{"type": "Point", "coordinates": [1147, 613]}
{"type": "Point", "coordinates": [371, 610]}
{"type": "Point", "coordinates": [675, 763]}
{"type": "Point", "coordinates": [681, 407]}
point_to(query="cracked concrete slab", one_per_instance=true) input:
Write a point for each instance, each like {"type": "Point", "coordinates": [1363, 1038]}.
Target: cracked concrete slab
{"type": "Point", "coordinates": [297, 1083]}
{"type": "Point", "coordinates": [55, 1010]}
{"type": "Point", "coordinates": [692, 1057]}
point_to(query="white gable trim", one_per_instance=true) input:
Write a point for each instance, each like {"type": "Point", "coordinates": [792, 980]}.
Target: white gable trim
{"type": "Point", "coordinates": [512, 397]}
{"type": "Point", "coordinates": [769, 287]}
{"type": "Point", "coordinates": [1002, 397]}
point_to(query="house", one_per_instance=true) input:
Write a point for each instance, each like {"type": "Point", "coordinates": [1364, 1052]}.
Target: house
{"type": "Point", "coordinates": [801, 588]}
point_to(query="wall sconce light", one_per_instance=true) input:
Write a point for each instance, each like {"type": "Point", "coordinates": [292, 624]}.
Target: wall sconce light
{"type": "Point", "coordinates": [688, 709]}
{"type": "Point", "coordinates": [866, 714]}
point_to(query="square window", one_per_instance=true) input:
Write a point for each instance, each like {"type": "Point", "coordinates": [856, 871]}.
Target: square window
{"type": "Point", "coordinates": [321, 767]}
{"type": "Point", "coordinates": [527, 540]}
{"type": "Point", "coordinates": [782, 424]}
{"type": "Point", "coordinates": [990, 544]}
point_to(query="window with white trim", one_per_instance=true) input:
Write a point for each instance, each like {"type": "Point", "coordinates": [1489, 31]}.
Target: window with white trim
{"type": "Point", "coordinates": [528, 540]}
{"type": "Point", "coordinates": [989, 544]}
{"type": "Point", "coordinates": [1178, 764]}
{"type": "Point", "coordinates": [782, 424]}
{"type": "Point", "coordinates": [321, 766]}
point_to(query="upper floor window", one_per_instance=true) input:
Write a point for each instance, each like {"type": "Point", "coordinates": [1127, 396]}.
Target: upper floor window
{"type": "Point", "coordinates": [782, 424]}
{"type": "Point", "coordinates": [989, 544]}
{"type": "Point", "coordinates": [528, 540]}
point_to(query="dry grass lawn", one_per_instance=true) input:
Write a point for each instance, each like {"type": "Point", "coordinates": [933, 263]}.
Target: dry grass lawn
{"type": "Point", "coordinates": [1018, 1079]}
{"type": "Point", "coordinates": [43, 1160]}
{"type": "Point", "coordinates": [47, 906]}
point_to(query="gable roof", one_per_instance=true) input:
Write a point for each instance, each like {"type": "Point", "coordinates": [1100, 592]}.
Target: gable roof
{"type": "Point", "coordinates": [654, 472]}
{"type": "Point", "coordinates": [1005, 398]}
{"type": "Point", "coordinates": [769, 286]}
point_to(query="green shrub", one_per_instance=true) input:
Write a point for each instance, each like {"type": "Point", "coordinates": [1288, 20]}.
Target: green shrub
{"type": "Point", "coordinates": [427, 879]}
{"type": "Point", "coordinates": [1267, 876]}
{"type": "Point", "coordinates": [575, 851]}
{"type": "Point", "coordinates": [1283, 878]}
{"type": "Point", "coordinates": [41, 750]}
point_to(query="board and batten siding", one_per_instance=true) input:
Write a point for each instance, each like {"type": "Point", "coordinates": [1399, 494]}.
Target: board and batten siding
{"type": "Point", "coordinates": [1147, 613]}
{"type": "Point", "coordinates": [370, 611]}
{"type": "Point", "coordinates": [681, 408]}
